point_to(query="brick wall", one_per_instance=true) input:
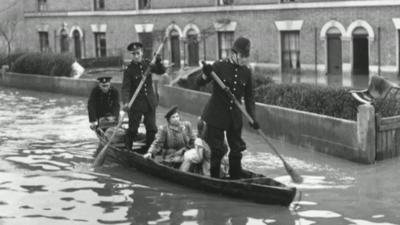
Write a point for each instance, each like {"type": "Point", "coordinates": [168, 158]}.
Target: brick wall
{"type": "Point", "coordinates": [162, 4]}
{"type": "Point", "coordinates": [259, 26]}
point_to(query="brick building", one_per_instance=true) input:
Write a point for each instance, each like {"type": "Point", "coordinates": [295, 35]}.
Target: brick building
{"type": "Point", "coordinates": [291, 36]}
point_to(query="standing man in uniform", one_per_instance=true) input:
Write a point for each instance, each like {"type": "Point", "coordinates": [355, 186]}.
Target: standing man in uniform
{"type": "Point", "coordinates": [221, 114]}
{"type": "Point", "coordinates": [146, 102]}
{"type": "Point", "coordinates": [103, 103]}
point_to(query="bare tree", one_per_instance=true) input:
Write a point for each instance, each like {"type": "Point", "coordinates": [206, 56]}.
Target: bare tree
{"type": "Point", "coordinates": [8, 28]}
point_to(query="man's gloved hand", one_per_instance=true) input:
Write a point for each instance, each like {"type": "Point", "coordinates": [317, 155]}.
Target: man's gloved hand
{"type": "Point", "coordinates": [125, 107]}
{"type": "Point", "coordinates": [148, 155]}
{"type": "Point", "coordinates": [158, 59]}
{"type": "Point", "coordinates": [255, 125]}
{"type": "Point", "coordinates": [207, 69]}
{"type": "Point", "coordinates": [93, 125]}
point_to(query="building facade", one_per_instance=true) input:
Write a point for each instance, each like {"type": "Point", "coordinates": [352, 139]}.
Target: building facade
{"type": "Point", "coordinates": [292, 36]}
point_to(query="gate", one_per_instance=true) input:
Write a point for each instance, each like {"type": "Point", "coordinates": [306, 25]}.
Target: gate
{"type": "Point", "coordinates": [388, 128]}
{"type": "Point", "coordinates": [387, 137]}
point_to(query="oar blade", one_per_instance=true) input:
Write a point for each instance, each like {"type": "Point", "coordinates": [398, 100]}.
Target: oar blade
{"type": "Point", "coordinates": [100, 158]}
{"type": "Point", "coordinates": [296, 178]}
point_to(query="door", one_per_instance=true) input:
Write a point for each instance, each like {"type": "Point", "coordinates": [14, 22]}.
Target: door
{"type": "Point", "coordinates": [334, 54]}
{"type": "Point", "coordinates": [77, 44]}
{"type": "Point", "coordinates": [175, 49]}
{"type": "Point", "coordinates": [360, 55]}
{"type": "Point", "coordinates": [360, 51]}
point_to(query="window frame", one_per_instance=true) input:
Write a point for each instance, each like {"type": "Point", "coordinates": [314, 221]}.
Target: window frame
{"type": "Point", "coordinates": [147, 46]}
{"type": "Point", "coordinates": [41, 5]}
{"type": "Point", "coordinates": [224, 2]}
{"type": "Point", "coordinates": [44, 44]}
{"type": "Point", "coordinates": [99, 5]}
{"type": "Point", "coordinates": [227, 48]}
{"type": "Point", "coordinates": [287, 52]}
{"type": "Point", "coordinates": [99, 49]}
{"type": "Point", "coordinates": [144, 4]}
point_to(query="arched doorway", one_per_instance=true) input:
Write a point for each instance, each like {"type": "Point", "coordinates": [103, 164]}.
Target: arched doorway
{"type": "Point", "coordinates": [77, 44]}
{"type": "Point", "coordinates": [175, 48]}
{"type": "Point", "coordinates": [334, 51]}
{"type": "Point", "coordinates": [360, 51]}
{"type": "Point", "coordinates": [64, 45]}
{"type": "Point", "coordinates": [193, 47]}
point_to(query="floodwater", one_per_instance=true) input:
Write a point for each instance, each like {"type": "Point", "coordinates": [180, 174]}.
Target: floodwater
{"type": "Point", "coordinates": [46, 178]}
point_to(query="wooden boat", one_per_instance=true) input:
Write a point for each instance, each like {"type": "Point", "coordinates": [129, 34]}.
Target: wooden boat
{"type": "Point", "coordinates": [254, 187]}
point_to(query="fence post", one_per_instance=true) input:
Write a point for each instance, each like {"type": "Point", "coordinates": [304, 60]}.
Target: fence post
{"type": "Point", "coordinates": [4, 69]}
{"type": "Point", "coordinates": [366, 132]}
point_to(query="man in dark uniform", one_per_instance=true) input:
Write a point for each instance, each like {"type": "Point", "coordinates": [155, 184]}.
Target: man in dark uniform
{"type": "Point", "coordinates": [221, 114]}
{"type": "Point", "coordinates": [103, 103]}
{"type": "Point", "coordinates": [146, 102]}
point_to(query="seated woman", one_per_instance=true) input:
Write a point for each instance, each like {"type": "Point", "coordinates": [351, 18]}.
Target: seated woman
{"type": "Point", "coordinates": [172, 139]}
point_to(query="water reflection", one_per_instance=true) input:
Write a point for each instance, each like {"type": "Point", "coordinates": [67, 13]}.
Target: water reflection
{"type": "Point", "coordinates": [148, 208]}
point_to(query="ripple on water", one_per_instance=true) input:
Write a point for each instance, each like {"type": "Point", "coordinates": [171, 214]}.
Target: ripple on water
{"type": "Point", "coordinates": [366, 222]}
{"type": "Point", "coordinates": [318, 214]}
{"type": "Point", "coordinates": [315, 182]}
{"type": "Point", "coordinates": [39, 162]}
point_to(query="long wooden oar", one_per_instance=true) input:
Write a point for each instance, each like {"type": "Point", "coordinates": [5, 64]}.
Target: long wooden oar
{"type": "Point", "coordinates": [296, 178]}
{"type": "Point", "coordinates": [100, 157]}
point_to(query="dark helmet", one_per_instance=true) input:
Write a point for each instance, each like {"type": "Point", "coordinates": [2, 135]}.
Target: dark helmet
{"type": "Point", "coordinates": [242, 46]}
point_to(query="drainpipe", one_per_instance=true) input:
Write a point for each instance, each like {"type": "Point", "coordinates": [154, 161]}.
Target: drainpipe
{"type": "Point", "coordinates": [204, 49]}
{"type": "Point", "coordinates": [379, 51]}
{"type": "Point", "coordinates": [55, 41]}
{"type": "Point", "coordinates": [315, 52]}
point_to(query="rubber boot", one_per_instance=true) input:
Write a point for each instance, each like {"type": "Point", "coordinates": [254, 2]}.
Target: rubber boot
{"type": "Point", "coordinates": [235, 168]}
{"type": "Point", "coordinates": [150, 138]}
{"type": "Point", "coordinates": [128, 141]}
{"type": "Point", "coordinates": [215, 166]}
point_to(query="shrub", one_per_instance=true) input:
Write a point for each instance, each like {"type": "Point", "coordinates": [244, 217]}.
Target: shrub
{"type": "Point", "coordinates": [12, 58]}
{"type": "Point", "coordinates": [101, 62]}
{"type": "Point", "coordinates": [325, 100]}
{"type": "Point", "coordinates": [389, 106]}
{"type": "Point", "coordinates": [44, 64]}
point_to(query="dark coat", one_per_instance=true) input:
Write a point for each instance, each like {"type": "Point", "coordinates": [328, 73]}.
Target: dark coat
{"type": "Point", "coordinates": [132, 77]}
{"type": "Point", "coordinates": [102, 104]}
{"type": "Point", "coordinates": [221, 111]}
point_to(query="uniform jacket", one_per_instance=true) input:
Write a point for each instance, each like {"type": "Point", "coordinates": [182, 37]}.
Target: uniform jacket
{"type": "Point", "coordinates": [172, 137]}
{"type": "Point", "coordinates": [132, 77]}
{"type": "Point", "coordinates": [102, 104]}
{"type": "Point", "coordinates": [220, 110]}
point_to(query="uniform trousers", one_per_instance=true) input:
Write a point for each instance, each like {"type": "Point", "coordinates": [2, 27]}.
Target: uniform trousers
{"type": "Point", "coordinates": [149, 121]}
{"type": "Point", "coordinates": [215, 138]}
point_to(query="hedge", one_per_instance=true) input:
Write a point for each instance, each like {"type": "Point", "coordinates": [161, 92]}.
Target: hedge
{"type": "Point", "coordinates": [13, 57]}
{"type": "Point", "coordinates": [325, 100]}
{"type": "Point", "coordinates": [101, 62]}
{"type": "Point", "coordinates": [44, 64]}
